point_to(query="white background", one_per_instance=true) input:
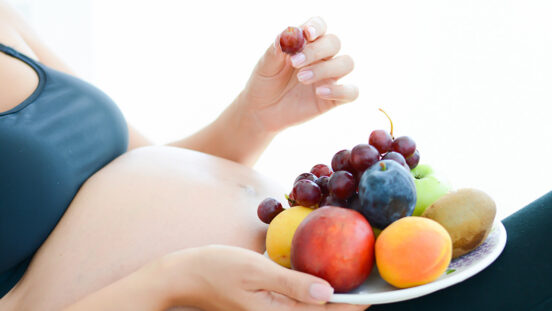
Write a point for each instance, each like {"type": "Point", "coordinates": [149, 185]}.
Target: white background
{"type": "Point", "coordinates": [470, 81]}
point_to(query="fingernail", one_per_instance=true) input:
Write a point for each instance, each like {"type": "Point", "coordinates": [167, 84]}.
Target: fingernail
{"type": "Point", "coordinates": [312, 32]}
{"type": "Point", "coordinates": [298, 59]}
{"type": "Point", "coordinates": [305, 75]}
{"type": "Point", "coordinates": [321, 292]}
{"type": "Point", "coordinates": [323, 90]}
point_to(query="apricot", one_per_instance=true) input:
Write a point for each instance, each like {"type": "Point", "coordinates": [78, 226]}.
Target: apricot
{"type": "Point", "coordinates": [413, 251]}
{"type": "Point", "coordinates": [280, 233]}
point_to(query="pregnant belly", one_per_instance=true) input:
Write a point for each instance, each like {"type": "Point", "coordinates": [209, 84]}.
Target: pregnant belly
{"type": "Point", "coordinates": [208, 190]}
{"type": "Point", "coordinates": [146, 203]}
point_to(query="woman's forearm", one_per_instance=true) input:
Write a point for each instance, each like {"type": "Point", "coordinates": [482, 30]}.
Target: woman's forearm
{"type": "Point", "coordinates": [235, 135]}
{"type": "Point", "coordinates": [144, 289]}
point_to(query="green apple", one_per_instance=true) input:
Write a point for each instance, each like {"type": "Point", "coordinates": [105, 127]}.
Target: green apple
{"type": "Point", "coordinates": [429, 187]}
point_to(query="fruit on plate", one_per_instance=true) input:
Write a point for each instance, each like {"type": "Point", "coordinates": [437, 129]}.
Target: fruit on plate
{"type": "Point", "coordinates": [308, 176]}
{"type": "Point", "coordinates": [268, 209]}
{"type": "Point", "coordinates": [280, 233]}
{"type": "Point", "coordinates": [340, 161]}
{"type": "Point", "coordinates": [337, 184]}
{"type": "Point", "coordinates": [354, 204]}
{"type": "Point", "coordinates": [363, 156]}
{"type": "Point", "coordinates": [306, 193]}
{"type": "Point", "coordinates": [413, 251]}
{"type": "Point", "coordinates": [381, 140]}
{"type": "Point", "coordinates": [292, 40]}
{"type": "Point", "coordinates": [413, 159]}
{"type": "Point", "coordinates": [320, 170]}
{"type": "Point", "coordinates": [467, 215]}
{"type": "Point", "coordinates": [333, 201]}
{"type": "Point", "coordinates": [397, 157]}
{"type": "Point", "coordinates": [429, 187]}
{"type": "Point", "coordinates": [387, 193]}
{"type": "Point", "coordinates": [335, 244]}
{"type": "Point", "coordinates": [404, 145]}
{"type": "Point", "coordinates": [342, 185]}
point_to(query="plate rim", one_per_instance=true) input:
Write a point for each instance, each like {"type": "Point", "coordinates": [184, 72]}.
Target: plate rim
{"type": "Point", "coordinates": [422, 290]}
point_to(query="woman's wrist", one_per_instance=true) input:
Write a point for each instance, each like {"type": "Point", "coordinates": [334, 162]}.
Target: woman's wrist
{"type": "Point", "coordinates": [179, 282]}
{"type": "Point", "coordinates": [236, 135]}
{"type": "Point", "coordinates": [245, 135]}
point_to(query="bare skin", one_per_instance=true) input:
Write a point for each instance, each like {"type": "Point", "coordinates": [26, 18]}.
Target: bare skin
{"type": "Point", "coordinates": [158, 202]}
{"type": "Point", "coordinates": [149, 202]}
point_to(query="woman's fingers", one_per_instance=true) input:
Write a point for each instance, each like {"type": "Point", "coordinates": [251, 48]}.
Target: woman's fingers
{"type": "Point", "coordinates": [272, 301]}
{"type": "Point", "coordinates": [272, 62]}
{"type": "Point", "coordinates": [314, 28]}
{"type": "Point", "coordinates": [334, 68]}
{"type": "Point", "coordinates": [289, 290]}
{"type": "Point", "coordinates": [339, 93]}
{"type": "Point", "coordinates": [297, 285]}
{"type": "Point", "coordinates": [344, 307]}
{"type": "Point", "coordinates": [325, 47]}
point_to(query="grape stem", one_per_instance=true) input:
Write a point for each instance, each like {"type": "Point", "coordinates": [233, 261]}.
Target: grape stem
{"type": "Point", "coordinates": [385, 113]}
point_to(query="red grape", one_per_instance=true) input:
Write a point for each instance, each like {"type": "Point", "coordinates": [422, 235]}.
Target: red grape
{"type": "Point", "coordinates": [333, 201]}
{"type": "Point", "coordinates": [404, 145]}
{"type": "Point", "coordinates": [321, 170]}
{"type": "Point", "coordinates": [381, 140]}
{"type": "Point", "coordinates": [340, 161]}
{"type": "Point", "coordinates": [268, 209]}
{"type": "Point", "coordinates": [397, 157]}
{"type": "Point", "coordinates": [306, 193]}
{"type": "Point", "coordinates": [291, 200]}
{"type": "Point", "coordinates": [413, 159]}
{"type": "Point", "coordinates": [342, 185]}
{"type": "Point", "coordinates": [363, 156]}
{"type": "Point", "coordinates": [322, 182]}
{"type": "Point", "coordinates": [292, 40]}
{"type": "Point", "coordinates": [307, 176]}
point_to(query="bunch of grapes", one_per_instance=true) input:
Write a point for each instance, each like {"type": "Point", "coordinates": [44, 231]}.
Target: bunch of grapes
{"type": "Point", "coordinates": [338, 185]}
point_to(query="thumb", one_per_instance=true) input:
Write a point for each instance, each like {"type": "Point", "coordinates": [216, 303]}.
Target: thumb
{"type": "Point", "coordinates": [297, 285]}
{"type": "Point", "coordinates": [273, 61]}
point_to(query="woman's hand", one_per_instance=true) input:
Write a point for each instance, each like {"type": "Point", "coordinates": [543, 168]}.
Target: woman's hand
{"type": "Point", "coordinates": [275, 99]}
{"type": "Point", "coordinates": [285, 90]}
{"type": "Point", "coordinates": [231, 278]}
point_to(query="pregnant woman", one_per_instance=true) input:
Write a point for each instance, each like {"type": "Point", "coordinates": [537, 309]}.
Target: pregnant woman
{"type": "Point", "coordinates": [93, 218]}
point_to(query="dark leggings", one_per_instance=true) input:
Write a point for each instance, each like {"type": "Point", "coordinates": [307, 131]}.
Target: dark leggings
{"type": "Point", "coordinates": [519, 279]}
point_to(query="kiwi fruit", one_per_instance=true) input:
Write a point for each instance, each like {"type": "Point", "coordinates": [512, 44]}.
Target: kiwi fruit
{"type": "Point", "coordinates": [468, 216]}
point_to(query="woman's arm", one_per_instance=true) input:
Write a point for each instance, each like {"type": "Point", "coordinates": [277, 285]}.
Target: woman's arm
{"type": "Point", "coordinates": [144, 289]}
{"type": "Point", "coordinates": [283, 91]}
{"type": "Point", "coordinates": [234, 135]}
{"type": "Point", "coordinates": [215, 278]}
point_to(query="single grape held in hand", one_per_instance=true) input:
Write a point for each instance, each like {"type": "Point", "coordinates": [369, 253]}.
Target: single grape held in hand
{"type": "Point", "coordinates": [292, 40]}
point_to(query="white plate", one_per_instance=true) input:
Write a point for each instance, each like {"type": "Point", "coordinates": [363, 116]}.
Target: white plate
{"type": "Point", "coordinates": [376, 291]}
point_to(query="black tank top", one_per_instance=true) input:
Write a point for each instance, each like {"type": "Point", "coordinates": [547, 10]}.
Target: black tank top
{"type": "Point", "coordinates": [64, 132]}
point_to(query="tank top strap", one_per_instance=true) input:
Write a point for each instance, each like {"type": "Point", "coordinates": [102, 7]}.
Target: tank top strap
{"type": "Point", "coordinates": [36, 66]}
{"type": "Point", "coordinates": [28, 60]}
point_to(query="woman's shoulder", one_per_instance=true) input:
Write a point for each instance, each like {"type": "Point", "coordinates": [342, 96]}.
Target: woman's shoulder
{"type": "Point", "coordinates": [17, 79]}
